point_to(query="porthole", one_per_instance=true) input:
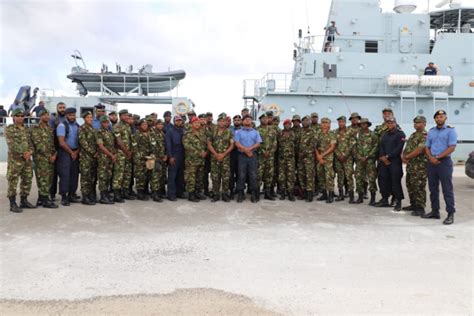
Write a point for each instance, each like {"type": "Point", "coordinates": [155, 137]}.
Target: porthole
{"type": "Point", "coordinates": [456, 112]}
{"type": "Point", "coordinates": [361, 67]}
{"type": "Point", "coordinates": [449, 69]}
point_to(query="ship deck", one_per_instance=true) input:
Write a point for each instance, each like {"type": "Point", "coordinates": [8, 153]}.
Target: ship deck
{"type": "Point", "coordinates": [236, 259]}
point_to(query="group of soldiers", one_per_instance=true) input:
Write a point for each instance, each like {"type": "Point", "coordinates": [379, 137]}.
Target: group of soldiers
{"type": "Point", "coordinates": [129, 158]}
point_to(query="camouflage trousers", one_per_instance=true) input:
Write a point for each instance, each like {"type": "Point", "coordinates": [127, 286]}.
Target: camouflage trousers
{"type": "Point", "coordinates": [88, 170]}
{"type": "Point", "coordinates": [286, 174]}
{"type": "Point", "coordinates": [19, 169]}
{"type": "Point", "coordinates": [326, 174]}
{"type": "Point", "coordinates": [366, 172]}
{"type": "Point", "coordinates": [44, 171]}
{"type": "Point", "coordinates": [163, 176]}
{"type": "Point", "coordinates": [345, 173]}
{"type": "Point", "coordinates": [122, 172]}
{"type": "Point", "coordinates": [266, 170]}
{"type": "Point", "coordinates": [193, 175]}
{"type": "Point", "coordinates": [220, 175]}
{"type": "Point", "coordinates": [306, 172]}
{"type": "Point", "coordinates": [416, 183]}
{"type": "Point", "coordinates": [104, 171]}
{"type": "Point", "coordinates": [143, 176]}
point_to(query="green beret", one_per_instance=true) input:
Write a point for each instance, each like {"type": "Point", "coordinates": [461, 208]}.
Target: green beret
{"type": "Point", "coordinates": [18, 111]}
{"type": "Point", "coordinates": [222, 116]}
{"type": "Point", "coordinates": [113, 113]}
{"type": "Point", "coordinates": [296, 117]}
{"type": "Point", "coordinates": [209, 114]}
{"type": "Point", "coordinates": [42, 112]}
{"type": "Point", "coordinates": [341, 118]}
{"type": "Point", "coordinates": [269, 113]}
{"type": "Point", "coordinates": [306, 117]}
{"type": "Point", "coordinates": [202, 115]}
{"type": "Point", "coordinates": [104, 118]}
{"type": "Point", "coordinates": [136, 116]}
{"type": "Point", "coordinates": [262, 116]}
{"type": "Point", "coordinates": [326, 119]}
{"type": "Point", "coordinates": [124, 111]}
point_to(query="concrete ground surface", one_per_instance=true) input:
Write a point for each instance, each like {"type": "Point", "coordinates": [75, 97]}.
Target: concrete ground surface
{"type": "Point", "coordinates": [147, 258]}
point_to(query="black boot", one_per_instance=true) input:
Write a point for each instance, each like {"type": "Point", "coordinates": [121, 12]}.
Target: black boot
{"type": "Point", "coordinates": [273, 193]}
{"type": "Point", "coordinates": [216, 197]}
{"type": "Point", "coordinates": [303, 196]}
{"type": "Point", "coordinates": [392, 201]}
{"type": "Point", "coordinates": [351, 197]}
{"type": "Point", "coordinates": [340, 197]}
{"type": "Point", "coordinates": [163, 193]}
{"type": "Point", "coordinates": [372, 199]}
{"type": "Point", "coordinates": [398, 205]}
{"type": "Point", "coordinates": [13, 206]}
{"type": "Point", "coordinates": [226, 197]}
{"type": "Point", "coordinates": [127, 196]}
{"type": "Point", "coordinates": [156, 196]}
{"type": "Point", "coordinates": [449, 220]}
{"type": "Point", "coordinates": [382, 203]}
{"type": "Point", "coordinates": [418, 211]}
{"type": "Point", "coordinates": [200, 196]}
{"type": "Point", "coordinates": [282, 195]}
{"type": "Point", "coordinates": [323, 196]}
{"type": "Point", "coordinates": [74, 198]}
{"type": "Point", "coordinates": [309, 196]}
{"type": "Point", "coordinates": [192, 197]}
{"type": "Point", "coordinates": [268, 195]}
{"type": "Point", "coordinates": [330, 198]}
{"type": "Point", "coordinates": [86, 200]}
{"type": "Point", "coordinates": [240, 197]}
{"type": "Point", "coordinates": [410, 207]}
{"type": "Point", "coordinates": [291, 196]}
{"type": "Point", "coordinates": [118, 196]}
{"type": "Point", "coordinates": [254, 197]}
{"type": "Point", "coordinates": [433, 214]}
{"type": "Point", "coordinates": [47, 203]}
{"type": "Point", "coordinates": [39, 202]}
{"type": "Point", "coordinates": [65, 200]}
{"type": "Point", "coordinates": [360, 198]}
{"type": "Point", "coordinates": [93, 196]}
{"type": "Point", "coordinates": [104, 198]}
{"type": "Point", "coordinates": [25, 204]}
{"type": "Point", "coordinates": [141, 195]}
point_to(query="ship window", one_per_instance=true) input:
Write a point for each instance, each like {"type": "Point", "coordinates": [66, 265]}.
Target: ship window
{"type": "Point", "coordinates": [371, 46]}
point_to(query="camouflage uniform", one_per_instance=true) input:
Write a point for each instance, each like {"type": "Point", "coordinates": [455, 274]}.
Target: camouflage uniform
{"type": "Point", "coordinates": [344, 147]}
{"type": "Point", "coordinates": [327, 170]}
{"type": "Point", "coordinates": [366, 171]}
{"type": "Point", "coordinates": [88, 159]}
{"type": "Point", "coordinates": [18, 142]}
{"type": "Point", "coordinates": [220, 170]}
{"type": "Point", "coordinates": [266, 155]}
{"type": "Point", "coordinates": [286, 160]}
{"type": "Point", "coordinates": [42, 138]}
{"type": "Point", "coordinates": [158, 150]}
{"type": "Point", "coordinates": [142, 147]}
{"type": "Point", "coordinates": [105, 164]}
{"type": "Point", "coordinates": [193, 162]}
{"type": "Point", "coordinates": [416, 170]}
{"type": "Point", "coordinates": [306, 144]}
{"type": "Point", "coordinates": [122, 167]}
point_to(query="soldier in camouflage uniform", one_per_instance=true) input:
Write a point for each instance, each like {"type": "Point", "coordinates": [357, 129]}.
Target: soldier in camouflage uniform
{"type": "Point", "coordinates": [88, 159]}
{"type": "Point", "coordinates": [381, 129]}
{"type": "Point", "coordinates": [220, 144]}
{"type": "Point", "coordinates": [160, 138]}
{"type": "Point", "coordinates": [274, 123]}
{"type": "Point", "coordinates": [353, 130]}
{"type": "Point", "coordinates": [286, 161]}
{"type": "Point", "coordinates": [107, 157]}
{"type": "Point", "coordinates": [44, 156]}
{"type": "Point", "coordinates": [415, 159]}
{"type": "Point", "coordinates": [158, 150]}
{"type": "Point", "coordinates": [325, 155]}
{"type": "Point", "coordinates": [343, 159]}
{"type": "Point", "coordinates": [306, 144]}
{"type": "Point", "coordinates": [19, 166]}
{"type": "Point", "coordinates": [366, 152]}
{"type": "Point", "coordinates": [316, 127]}
{"type": "Point", "coordinates": [195, 153]}
{"type": "Point", "coordinates": [123, 164]}
{"type": "Point", "coordinates": [266, 156]}
{"type": "Point", "coordinates": [296, 128]}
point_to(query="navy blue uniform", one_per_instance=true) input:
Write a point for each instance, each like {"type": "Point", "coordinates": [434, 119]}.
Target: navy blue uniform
{"type": "Point", "coordinates": [438, 140]}
{"type": "Point", "coordinates": [175, 149]}
{"type": "Point", "coordinates": [390, 177]}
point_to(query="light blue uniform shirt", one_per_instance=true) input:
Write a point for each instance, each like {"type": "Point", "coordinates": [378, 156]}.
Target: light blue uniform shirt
{"type": "Point", "coordinates": [248, 137]}
{"type": "Point", "coordinates": [96, 124]}
{"type": "Point", "coordinates": [439, 139]}
{"type": "Point", "coordinates": [72, 139]}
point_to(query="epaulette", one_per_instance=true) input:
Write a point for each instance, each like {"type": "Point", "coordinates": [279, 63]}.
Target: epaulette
{"type": "Point", "coordinates": [449, 126]}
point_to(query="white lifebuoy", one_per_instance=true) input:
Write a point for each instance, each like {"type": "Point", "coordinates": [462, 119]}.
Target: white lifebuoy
{"type": "Point", "coordinates": [274, 108]}
{"type": "Point", "coordinates": [182, 108]}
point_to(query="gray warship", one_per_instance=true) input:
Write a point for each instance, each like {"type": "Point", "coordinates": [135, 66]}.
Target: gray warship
{"type": "Point", "coordinates": [378, 61]}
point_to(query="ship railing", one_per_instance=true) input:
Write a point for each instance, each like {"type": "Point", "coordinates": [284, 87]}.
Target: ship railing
{"type": "Point", "coordinates": [28, 122]}
{"type": "Point", "coordinates": [271, 82]}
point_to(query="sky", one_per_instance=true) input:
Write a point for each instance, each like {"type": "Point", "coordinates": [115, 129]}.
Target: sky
{"type": "Point", "coordinates": [217, 43]}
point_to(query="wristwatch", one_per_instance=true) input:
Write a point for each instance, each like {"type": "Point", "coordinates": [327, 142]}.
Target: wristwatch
{"type": "Point", "coordinates": [437, 157]}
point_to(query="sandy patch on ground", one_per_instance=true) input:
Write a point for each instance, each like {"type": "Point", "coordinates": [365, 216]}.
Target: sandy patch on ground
{"type": "Point", "coordinates": [180, 302]}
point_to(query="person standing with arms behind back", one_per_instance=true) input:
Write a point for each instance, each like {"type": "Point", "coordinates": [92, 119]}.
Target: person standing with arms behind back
{"type": "Point", "coordinates": [441, 143]}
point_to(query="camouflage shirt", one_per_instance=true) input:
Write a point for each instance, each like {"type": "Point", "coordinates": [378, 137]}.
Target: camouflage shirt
{"type": "Point", "coordinates": [221, 140]}
{"type": "Point", "coordinates": [366, 145]}
{"type": "Point", "coordinates": [417, 140]}
{"type": "Point", "coordinates": [269, 140]}
{"type": "Point", "coordinates": [326, 140]}
{"type": "Point", "coordinates": [286, 145]}
{"type": "Point", "coordinates": [345, 142]}
{"type": "Point", "coordinates": [87, 141]}
{"type": "Point", "coordinates": [194, 146]}
{"type": "Point", "coordinates": [141, 146]}
{"type": "Point", "coordinates": [18, 141]}
{"type": "Point", "coordinates": [104, 136]}
{"type": "Point", "coordinates": [42, 137]}
{"type": "Point", "coordinates": [158, 143]}
{"type": "Point", "coordinates": [307, 142]}
{"type": "Point", "coordinates": [123, 132]}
